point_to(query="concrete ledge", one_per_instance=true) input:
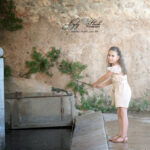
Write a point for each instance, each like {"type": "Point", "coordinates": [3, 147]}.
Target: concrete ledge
{"type": "Point", "coordinates": [89, 132]}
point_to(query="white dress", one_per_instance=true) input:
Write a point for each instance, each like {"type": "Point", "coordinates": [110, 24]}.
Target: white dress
{"type": "Point", "coordinates": [121, 92]}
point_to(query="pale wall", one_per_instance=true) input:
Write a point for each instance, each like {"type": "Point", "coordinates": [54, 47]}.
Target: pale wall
{"type": "Point", "coordinates": [124, 23]}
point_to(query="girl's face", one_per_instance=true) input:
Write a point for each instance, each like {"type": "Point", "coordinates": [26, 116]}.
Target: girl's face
{"type": "Point", "coordinates": [113, 57]}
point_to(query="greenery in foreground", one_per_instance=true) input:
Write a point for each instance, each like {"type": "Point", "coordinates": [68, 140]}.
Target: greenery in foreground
{"type": "Point", "coordinates": [101, 103]}
{"type": "Point", "coordinates": [96, 103]}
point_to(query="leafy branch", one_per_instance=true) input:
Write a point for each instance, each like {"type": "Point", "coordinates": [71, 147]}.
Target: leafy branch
{"type": "Point", "coordinates": [74, 70]}
{"type": "Point", "coordinates": [41, 63]}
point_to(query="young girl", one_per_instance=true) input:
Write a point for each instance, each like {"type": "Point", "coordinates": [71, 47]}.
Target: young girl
{"type": "Point", "coordinates": [121, 92]}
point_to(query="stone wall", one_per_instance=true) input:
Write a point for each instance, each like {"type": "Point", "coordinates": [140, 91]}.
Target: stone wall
{"type": "Point", "coordinates": [46, 23]}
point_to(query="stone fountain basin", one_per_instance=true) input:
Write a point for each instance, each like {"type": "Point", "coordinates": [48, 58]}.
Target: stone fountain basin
{"type": "Point", "coordinates": [38, 110]}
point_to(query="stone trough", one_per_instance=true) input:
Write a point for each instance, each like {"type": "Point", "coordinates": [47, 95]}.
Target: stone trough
{"type": "Point", "coordinates": [37, 110]}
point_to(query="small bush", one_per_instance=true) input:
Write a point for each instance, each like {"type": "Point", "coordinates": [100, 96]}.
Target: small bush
{"type": "Point", "coordinates": [103, 103]}
{"type": "Point", "coordinates": [139, 105]}
{"type": "Point", "coordinates": [7, 71]}
{"type": "Point", "coordinates": [96, 103]}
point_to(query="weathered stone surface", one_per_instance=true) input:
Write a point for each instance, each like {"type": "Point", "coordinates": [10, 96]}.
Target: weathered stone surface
{"type": "Point", "coordinates": [89, 132]}
{"type": "Point", "coordinates": [26, 86]}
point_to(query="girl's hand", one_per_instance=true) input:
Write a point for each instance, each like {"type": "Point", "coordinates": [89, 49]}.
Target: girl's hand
{"type": "Point", "coordinates": [94, 85]}
{"type": "Point", "coordinates": [98, 86]}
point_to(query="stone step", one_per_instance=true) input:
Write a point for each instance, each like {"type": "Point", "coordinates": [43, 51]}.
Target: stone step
{"type": "Point", "coordinates": [89, 132]}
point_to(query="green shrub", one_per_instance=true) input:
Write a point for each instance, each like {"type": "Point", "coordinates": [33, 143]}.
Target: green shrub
{"type": "Point", "coordinates": [7, 72]}
{"type": "Point", "coordinates": [42, 63]}
{"type": "Point", "coordinates": [139, 105]}
{"type": "Point", "coordinates": [103, 103]}
{"type": "Point", "coordinates": [96, 103]}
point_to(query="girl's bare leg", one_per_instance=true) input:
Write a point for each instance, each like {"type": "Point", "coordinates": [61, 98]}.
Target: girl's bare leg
{"type": "Point", "coordinates": [124, 121]}
{"type": "Point", "coordinates": [124, 118]}
{"type": "Point", "coordinates": [119, 125]}
{"type": "Point", "coordinates": [119, 121]}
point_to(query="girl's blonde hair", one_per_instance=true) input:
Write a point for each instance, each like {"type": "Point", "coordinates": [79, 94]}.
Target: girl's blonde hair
{"type": "Point", "coordinates": [121, 60]}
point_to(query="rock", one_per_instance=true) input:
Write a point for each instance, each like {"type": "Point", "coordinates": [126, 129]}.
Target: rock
{"type": "Point", "coordinates": [44, 3]}
{"type": "Point", "coordinates": [34, 19]}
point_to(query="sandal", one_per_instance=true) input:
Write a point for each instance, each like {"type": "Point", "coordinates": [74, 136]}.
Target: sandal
{"type": "Point", "coordinates": [114, 137]}
{"type": "Point", "coordinates": [124, 140]}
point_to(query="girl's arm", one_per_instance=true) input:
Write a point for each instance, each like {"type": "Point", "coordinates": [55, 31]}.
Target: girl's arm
{"type": "Point", "coordinates": [103, 78]}
{"type": "Point", "coordinates": [104, 84]}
